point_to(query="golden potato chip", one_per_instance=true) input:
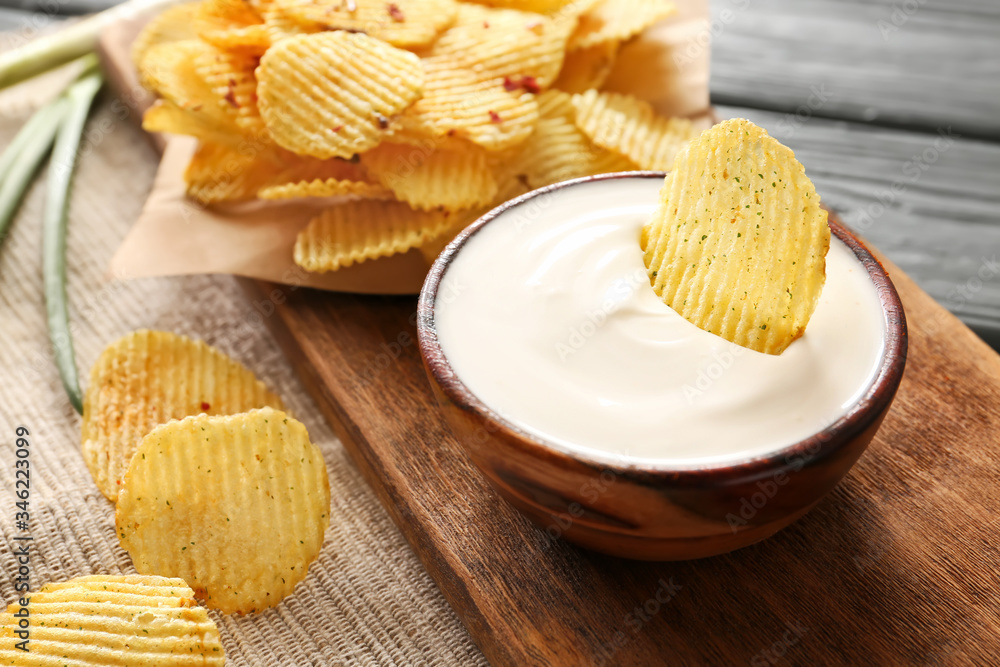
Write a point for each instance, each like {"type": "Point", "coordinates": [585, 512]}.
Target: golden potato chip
{"type": "Point", "coordinates": [261, 6]}
{"type": "Point", "coordinates": [230, 75]}
{"type": "Point", "coordinates": [556, 104]}
{"type": "Point", "coordinates": [506, 168]}
{"type": "Point", "coordinates": [618, 20]}
{"type": "Point", "coordinates": [523, 50]}
{"type": "Point", "coordinates": [738, 244]}
{"type": "Point", "coordinates": [403, 23]}
{"type": "Point", "coordinates": [250, 39]}
{"type": "Point", "coordinates": [629, 126]}
{"type": "Point", "coordinates": [559, 151]}
{"type": "Point", "coordinates": [456, 104]}
{"type": "Point", "coordinates": [428, 178]}
{"type": "Point", "coordinates": [587, 68]}
{"type": "Point", "coordinates": [433, 246]}
{"type": "Point", "coordinates": [563, 7]}
{"type": "Point", "coordinates": [232, 24]}
{"type": "Point", "coordinates": [173, 24]}
{"type": "Point", "coordinates": [148, 378]}
{"type": "Point", "coordinates": [332, 94]}
{"type": "Point", "coordinates": [325, 187]}
{"type": "Point", "coordinates": [412, 134]}
{"type": "Point", "coordinates": [281, 25]}
{"type": "Point", "coordinates": [169, 70]}
{"type": "Point", "coordinates": [235, 505]}
{"type": "Point", "coordinates": [356, 231]}
{"type": "Point", "coordinates": [219, 173]}
{"type": "Point", "coordinates": [95, 621]}
{"type": "Point", "coordinates": [165, 116]}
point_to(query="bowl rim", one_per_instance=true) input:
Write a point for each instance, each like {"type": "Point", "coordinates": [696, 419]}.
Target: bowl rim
{"type": "Point", "coordinates": [868, 408]}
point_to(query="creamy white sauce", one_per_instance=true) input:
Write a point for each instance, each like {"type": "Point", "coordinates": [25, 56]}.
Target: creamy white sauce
{"type": "Point", "coordinates": [547, 316]}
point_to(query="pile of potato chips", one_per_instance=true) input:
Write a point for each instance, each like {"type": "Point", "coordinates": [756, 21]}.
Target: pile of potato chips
{"type": "Point", "coordinates": [416, 115]}
{"type": "Point", "coordinates": [214, 483]}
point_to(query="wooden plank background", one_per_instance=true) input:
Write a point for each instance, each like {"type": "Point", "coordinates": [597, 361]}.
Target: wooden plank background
{"type": "Point", "coordinates": [912, 63]}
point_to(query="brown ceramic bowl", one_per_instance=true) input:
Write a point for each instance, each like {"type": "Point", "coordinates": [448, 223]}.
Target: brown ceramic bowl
{"type": "Point", "coordinates": [659, 512]}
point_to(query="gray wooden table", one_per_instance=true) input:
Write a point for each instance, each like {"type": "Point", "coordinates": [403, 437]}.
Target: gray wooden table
{"type": "Point", "coordinates": [892, 105]}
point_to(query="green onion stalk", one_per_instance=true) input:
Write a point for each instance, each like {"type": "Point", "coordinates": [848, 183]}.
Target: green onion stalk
{"type": "Point", "coordinates": [24, 155]}
{"type": "Point", "coordinates": [79, 96]}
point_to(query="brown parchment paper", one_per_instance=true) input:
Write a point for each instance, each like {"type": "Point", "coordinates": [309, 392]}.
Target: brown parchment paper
{"type": "Point", "coordinates": [668, 66]}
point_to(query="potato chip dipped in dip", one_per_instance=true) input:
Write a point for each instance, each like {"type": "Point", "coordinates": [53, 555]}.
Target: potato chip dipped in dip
{"type": "Point", "coordinates": [738, 244]}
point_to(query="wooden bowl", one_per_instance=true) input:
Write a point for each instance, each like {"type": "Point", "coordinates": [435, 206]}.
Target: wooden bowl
{"type": "Point", "coordinates": [659, 512]}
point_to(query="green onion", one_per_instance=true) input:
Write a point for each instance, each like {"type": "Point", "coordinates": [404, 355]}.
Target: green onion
{"type": "Point", "coordinates": [24, 138]}
{"type": "Point", "coordinates": [23, 157]}
{"type": "Point", "coordinates": [76, 40]}
{"type": "Point", "coordinates": [79, 97]}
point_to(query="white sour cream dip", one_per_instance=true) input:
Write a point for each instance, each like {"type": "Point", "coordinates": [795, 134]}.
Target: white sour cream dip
{"type": "Point", "coordinates": [546, 314]}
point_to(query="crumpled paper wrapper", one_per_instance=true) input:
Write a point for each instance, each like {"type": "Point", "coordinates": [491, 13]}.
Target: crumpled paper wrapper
{"type": "Point", "coordinates": [668, 66]}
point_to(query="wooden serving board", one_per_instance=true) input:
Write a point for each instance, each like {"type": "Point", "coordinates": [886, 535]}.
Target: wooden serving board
{"type": "Point", "coordinates": [897, 566]}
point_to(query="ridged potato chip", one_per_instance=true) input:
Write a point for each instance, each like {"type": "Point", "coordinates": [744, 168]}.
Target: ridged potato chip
{"type": "Point", "coordinates": [456, 104]}
{"type": "Point", "coordinates": [629, 126]}
{"type": "Point", "coordinates": [218, 173]}
{"type": "Point", "coordinates": [404, 23]}
{"type": "Point", "coordinates": [173, 24]}
{"type": "Point", "coordinates": [555, 104]}
{"type": "Point", "coordinates": [414, 135]}
{"type": "Point", "coordinates": [231, 76]}
{"type": "Point", "coordinates": [235, 505]}
{"type": "Point", "coordinates": [560, 7]}
{"type": "Point", "coordinates": [329, 187]}
{"type": "Point", "coordinates": [357, 231]}
{"type": "Point", "coordinates": [165, 116]}
{"type": "Point", "coordinates": [539, 6]}
{"type": "Point", "coordinates": [280, 24]}
{"type": "Point", "coordinates": [332, 94]}
{"type": "Point", "coordinates": [507, 170]}
{"type": "Point", "coordinates": [169, 70]}
{"type": "Point", "coordinates": [232, 24]}
{"type": "Point", "coordinates": [559, 151]}
{"type": "Point", "coordinates": [433, 246]}
{"type": "Point", "coordinates": [618, 20]}
{"type": "Point", "coordinates": [427, 178]}
{"type": "Point", "coordinates": [523, 50]}
{"type": "Point", "coordinates": [587, 68]}
{"type": "Point", "coordinates": [738, 244]}
{"type": "Point", "coordinates": [96, 621]}
{"type": "Point", "coordinates": [261, 6]}
{"type": "Point", "coordinates": [148, 378]}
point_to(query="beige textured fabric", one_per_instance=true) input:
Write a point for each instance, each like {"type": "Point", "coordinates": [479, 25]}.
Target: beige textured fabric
{"type": "Point", "coordinates": [367, 600]}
